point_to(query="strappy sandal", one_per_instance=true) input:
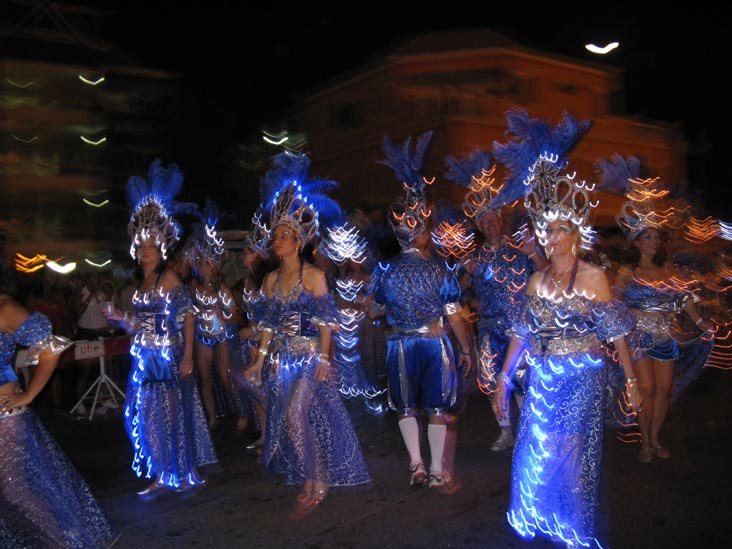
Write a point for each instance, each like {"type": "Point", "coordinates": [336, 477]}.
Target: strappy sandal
{"type": "Point", "coordinates": [645, 455]}
{"type": "Point", "coordinates": [304, 497]}
{"type": "Point", "coordinates": [661, 452]}
{"type": "Point", "coordinates": [318, 496]}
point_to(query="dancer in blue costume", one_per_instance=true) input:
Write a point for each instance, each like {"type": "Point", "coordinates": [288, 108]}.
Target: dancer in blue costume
{"type": "Point", "coordinates": [43, 500]}
{"type": "Point", "coordinates": [216, 325]}
{"type": "Point", "coordinates": [499, 271]}
{"type": "Point", "coordinates": [655, 294]}
{"type": "Point", "coordinates": [415, 292]}
{"type": "Point", "coordinates": [309, 439]}
{"type": "Point", "coordinates": [163, 413]}
{"type": "Point", "coordinates": [567, 314]}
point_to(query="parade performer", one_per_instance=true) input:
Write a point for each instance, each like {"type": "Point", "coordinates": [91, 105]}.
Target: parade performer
{"type": "Point", "coordinates": [655, 294]}
{"type": "Point", "coordinates": [163, 413]}
{"type": "Point", "coordinates": [44, 501]}
{"type": "Point", "coordinates": [567, 313]}
{"type": "Point", "coordinates": [499, 270]}
{"type": "Point", "coordinates": [309, 439]}
{"type": "Point", "coordinates": [415, 292]}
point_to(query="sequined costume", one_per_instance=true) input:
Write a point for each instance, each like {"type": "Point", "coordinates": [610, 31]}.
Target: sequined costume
{"type": "Point", "coordinates": [215, 321]}
{"type": "Point", "coordinates": [309, 434]}
{"type": "Point", "coordinates": [557, 459]}
{"type": "Point", "coordinates": [653, 335]}
{"type": "Point", "coordinates": [500, 275]}
{"type": "Point", "coordinates": [163, 413]}
{"type": "Point", "coordinates": [44, 502]}
{"type": "Point", "coordinates": [417, 292]}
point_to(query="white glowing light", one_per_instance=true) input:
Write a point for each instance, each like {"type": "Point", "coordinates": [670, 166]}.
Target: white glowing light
{"type": "Point", "coordinates": [98, 265]}
{"type": "Point", "coordinates": [91, 142]}
{"type": "Point", "coordinates": [602, 50]}
{"type": "Point", "coordinates": [63, 269]}
{"type": "Point", "coordinates": [91, 82]}
{"type": "Point", "coordinates": [274, 141]}
{"type": "Point", "coordinates": [18, 85]}
{"type": "Point", "coordinates": [31, 140]}
{"type": "Point", "coordinates": [95, 204]}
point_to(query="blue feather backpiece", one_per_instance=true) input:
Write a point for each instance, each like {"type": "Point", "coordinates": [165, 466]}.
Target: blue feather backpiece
{"type": "Point", "coordinates": [532, 138]}
{"type": "Point", "coordinates": [407, 166]}
{"type": "Point", "coordinates": [616, 173]}
{"type": "Point", "coordinates": [462, 170]}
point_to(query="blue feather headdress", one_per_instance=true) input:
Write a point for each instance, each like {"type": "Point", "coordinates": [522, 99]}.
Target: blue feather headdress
{"type": "Point", "coordinates": [622, 175]}
{"type": "Point", "coordinates": [409, 213]}
{"type": "Point", "coordinates": [475, 173]}
{"type": "Point", "coordinates": [533, 139]}
{"type": "Point", "coordinates": [295, 200]}
{"type": "Point", "coordinates": [153, 207]}
{"type": "Point", "coordinates": [258, 237]}
{"type": "Point", "coordinates": [208, 246]}
{"type": "Point", "coordinates": [536, 159]}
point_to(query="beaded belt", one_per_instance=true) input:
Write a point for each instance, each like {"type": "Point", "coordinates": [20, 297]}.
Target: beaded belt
{"type": "Point", "coordinates": [563, 345]}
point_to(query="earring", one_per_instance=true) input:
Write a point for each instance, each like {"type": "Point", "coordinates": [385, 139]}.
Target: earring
{"type": "Point", "coordinates": [574, 248]}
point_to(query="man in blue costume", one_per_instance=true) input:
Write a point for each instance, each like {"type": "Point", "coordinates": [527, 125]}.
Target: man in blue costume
{"type": "Point", "coordinates": [416, 291]}
{"type": "Point", "coordinates": [499, 271]}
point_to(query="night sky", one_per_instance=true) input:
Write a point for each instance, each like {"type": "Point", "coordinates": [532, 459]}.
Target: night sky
{"type": "Point", "coordinates": [243, 63]}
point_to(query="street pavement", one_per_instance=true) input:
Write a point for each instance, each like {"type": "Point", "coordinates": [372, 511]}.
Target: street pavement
{"type": "Point", "coordinates": [683, 502]}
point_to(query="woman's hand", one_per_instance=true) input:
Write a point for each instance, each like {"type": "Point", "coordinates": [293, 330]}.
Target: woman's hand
{"type": "Point", "coordinates": [635, 400]}
{"type": "Point", "coordinates": [14, 400]}
{"type": "Point", "coordinates": [253, 374]}
{"type": "Point", "coordinates": [186, 366]}
{"type": "Point", "coordinates": [114, 315]}
{"type": "Point", "coordinates": [322, 371]}
{"type": "Point", "coordinates": [466, 360]}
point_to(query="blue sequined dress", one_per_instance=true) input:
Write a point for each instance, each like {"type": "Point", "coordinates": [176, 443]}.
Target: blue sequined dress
{"type": "Point", "coordinates": [557, 459]}
{"type": "Point", "coordinates": [309, 433]}
{"type": "Point", "coordinates": [163, 413]}
{"type": "Point", "coordinates": [44, 502]}
{"type": "Point", "coordinates": [653, 336]}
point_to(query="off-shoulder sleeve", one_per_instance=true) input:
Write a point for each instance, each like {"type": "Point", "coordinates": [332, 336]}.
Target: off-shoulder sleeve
{"type": "Point", "coordinates": [35, 333]}
{"type": "Point", "coordinates": [182, 302]}
{"type": "Point", "coordinates": [612, 320]}
{"type": "Point", "coordinates": [324, 311]}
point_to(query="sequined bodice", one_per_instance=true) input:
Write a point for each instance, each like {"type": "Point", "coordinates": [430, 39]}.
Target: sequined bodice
{"type": "Point", "coordinates": [160, 314]}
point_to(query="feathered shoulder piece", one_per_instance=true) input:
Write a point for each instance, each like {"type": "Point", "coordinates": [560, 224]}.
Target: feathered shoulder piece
{"type": "Point", "coordinates": [153, 206]}
{"type": "Point", "coordinates": [296, 200]}
{"type": "Point", "coordinates": [409, 213]}
{"type": "Point", "coordinates": [532, 139]}
{"type": "Point", "coordinates": [638, 213]}
{"type": "Point", "coordinates": [475, 173]}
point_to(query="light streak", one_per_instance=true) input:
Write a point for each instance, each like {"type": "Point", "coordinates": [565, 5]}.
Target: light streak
{"type": "Point", "coordinates": [92, 142]}
{"type": "Point", "coordinates": [95, 204]}
{"type": "Point", "coordinates": [602, 50]}
{"type": "Point", "coordinates": [91, 82]}
{"type": "Point", "coordinates": [98, 265]}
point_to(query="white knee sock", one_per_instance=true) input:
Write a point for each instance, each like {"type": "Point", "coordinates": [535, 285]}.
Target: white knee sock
{"type": "Point", "coordinates": [410, 433]}
{"type": "Point", "coordinates": [436, 435]}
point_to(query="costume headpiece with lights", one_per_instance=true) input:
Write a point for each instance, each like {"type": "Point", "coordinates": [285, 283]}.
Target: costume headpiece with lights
{"type": "Point", "coordinates": [408, 214]}
{"type": "Point", "coordinates": [153, 207]}
{"type": "Point", "coordinates": [537, 164]}
{"type": "Point", "coordinates": [258, 237]}
{"type": "Point", "coordinates": [638, 213]}
{"type": "Point", "coordinates": [209, 246]}
{"type": "Point", "coordinates": [296, 200]}
{"type": "Point", "coordinates": [475, 173]}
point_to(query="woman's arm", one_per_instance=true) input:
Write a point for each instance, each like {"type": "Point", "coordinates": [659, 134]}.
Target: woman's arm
{"type": "Point", "coordinates": [503, 380]}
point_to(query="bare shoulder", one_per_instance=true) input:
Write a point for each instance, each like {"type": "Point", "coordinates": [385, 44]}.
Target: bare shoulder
{"type": "Point", "coordinates": [269, 280]}
{"type": "Point", "coordinates": [535, 280]}
{"type": "Point", "coordinates": [313, 280]}
{"type": "Point", "coordinates": [169, 279]}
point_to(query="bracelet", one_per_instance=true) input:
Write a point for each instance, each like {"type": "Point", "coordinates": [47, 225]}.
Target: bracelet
{"type": "Point", "coordinates": [503, 376]}
{"type": "Point", "coordinates": [631, 381]}
{"type": "Point", "coordinates": [532, 254]}
{"type": "Point", "coordinates": [324, 360]}
{"type": "Point", "coordinates": [699, 321]}
{"type": "Point", "coordinates": [263, 351]}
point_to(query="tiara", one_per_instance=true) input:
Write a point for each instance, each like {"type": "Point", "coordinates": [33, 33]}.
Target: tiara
{"type": "Point", "coordinates": [152, 204]}
{"type": "Point", "coordinates": [638, 213]}
{"type": "Point", "coordinates": [259, 234]}
{"type": "Point", "coordinates": [555, 195]}
{"type": "Point", "coordinates": [296, 200]}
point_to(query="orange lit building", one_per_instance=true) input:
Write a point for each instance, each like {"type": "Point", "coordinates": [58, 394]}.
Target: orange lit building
{"type": "Point", "coordinates": [459, 84]}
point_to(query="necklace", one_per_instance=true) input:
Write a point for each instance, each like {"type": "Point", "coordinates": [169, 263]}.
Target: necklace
{"type": "Point", "coordinates": [556, 282]}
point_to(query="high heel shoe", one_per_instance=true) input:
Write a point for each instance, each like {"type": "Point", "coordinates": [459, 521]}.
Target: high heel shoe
{"type": "Point", "coordinates": [152, 491]}
{"type": "Point", "coordinates": [661, 452]}
{"type": "Point", "coordinates": [256, 445]}
{"type": "Point", "coordinates": [317, 497]}
{"type": "Point", "coordinates": [303, 498]}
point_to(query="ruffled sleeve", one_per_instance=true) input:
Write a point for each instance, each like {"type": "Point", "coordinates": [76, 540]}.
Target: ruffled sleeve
{"type": "Point", "coordinates": [182, 303]}
{"type": "Point", "coordinates": [612, 320]}
{"type": "Point", "coordinates": [35, 333]}
{"type": "Point", "coordinates": [324, 311]}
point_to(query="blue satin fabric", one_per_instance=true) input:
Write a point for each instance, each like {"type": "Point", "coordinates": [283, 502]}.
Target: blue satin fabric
{"type": "Point", "coordinates": [421, 374]}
